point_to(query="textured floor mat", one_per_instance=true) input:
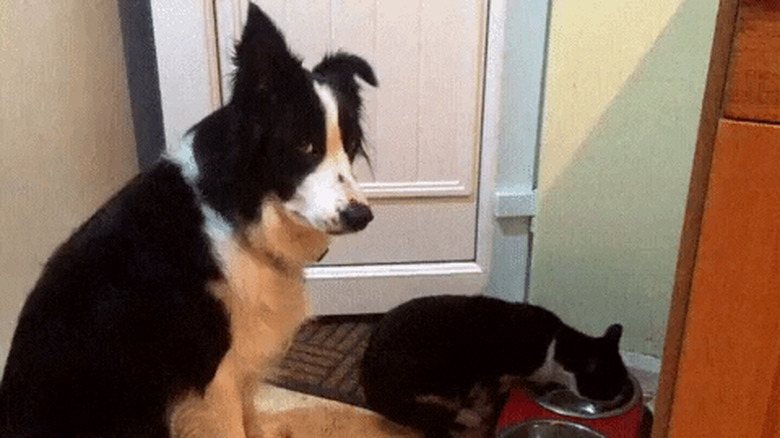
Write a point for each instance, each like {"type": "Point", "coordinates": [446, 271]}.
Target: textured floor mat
{"type": "Point", "coordinates": [324, 359]}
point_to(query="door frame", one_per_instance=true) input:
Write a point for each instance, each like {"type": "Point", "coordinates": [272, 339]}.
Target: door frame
{"type": "Point", "coordinates": [336, 289]}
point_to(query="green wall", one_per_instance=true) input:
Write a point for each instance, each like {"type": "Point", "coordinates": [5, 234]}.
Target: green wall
{"type": "Point", "coordinates": [608, 225]}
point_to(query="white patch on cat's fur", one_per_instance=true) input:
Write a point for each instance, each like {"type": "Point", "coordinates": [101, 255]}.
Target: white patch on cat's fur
{"type": "Point", "coordinates": [468, 418]}
{"type": "Point", "coordinates": [475, 418]}
{"type": "Point", "coordinates": [472, 414]}
{"type": "Point", "coordinates": [480, 406]}
{"type": "Point", "coordinates": [552, 371]}
{"type": "Point", "coordinates": [437, 400]}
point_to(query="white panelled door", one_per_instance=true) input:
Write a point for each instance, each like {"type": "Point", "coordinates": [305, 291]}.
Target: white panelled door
{"type": "Point", "coordinates": [430, 180]}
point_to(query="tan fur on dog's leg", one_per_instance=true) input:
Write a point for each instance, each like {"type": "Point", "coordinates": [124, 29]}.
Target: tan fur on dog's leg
{"type": "Point", "coordinates": [216, 413]}
{"type": "Point", "coordinates": [325, 421]}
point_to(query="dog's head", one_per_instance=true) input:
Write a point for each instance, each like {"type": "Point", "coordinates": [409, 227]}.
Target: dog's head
{"type": "Point", "coordinates": [288, 134]}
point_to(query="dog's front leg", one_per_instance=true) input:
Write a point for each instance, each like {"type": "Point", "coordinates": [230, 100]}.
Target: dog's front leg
{"type": "Point", "coordinates": [218, 412]}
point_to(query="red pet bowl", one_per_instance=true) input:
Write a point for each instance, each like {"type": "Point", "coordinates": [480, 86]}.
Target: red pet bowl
{"type": "Point", "coordinates": [536, 412]}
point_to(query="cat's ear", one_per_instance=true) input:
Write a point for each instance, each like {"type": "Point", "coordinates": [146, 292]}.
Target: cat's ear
{"type": "Point", "coordinates": [613, 333]}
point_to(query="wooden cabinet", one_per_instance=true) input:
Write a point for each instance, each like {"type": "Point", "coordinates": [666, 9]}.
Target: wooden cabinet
{"type": "Point", "coordinates": [721, 372]}
{"type": "Point", "coordinates": [753, 87]}
{"type": "Point", "coordinates": [728, 380]}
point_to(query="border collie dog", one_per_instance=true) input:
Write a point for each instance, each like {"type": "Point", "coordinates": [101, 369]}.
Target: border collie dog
{"type": "Point", "coordinates": [162, 312]}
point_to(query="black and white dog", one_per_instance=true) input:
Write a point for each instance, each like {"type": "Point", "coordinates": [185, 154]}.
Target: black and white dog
{"type": "Point", "coordinates": [159, 315]}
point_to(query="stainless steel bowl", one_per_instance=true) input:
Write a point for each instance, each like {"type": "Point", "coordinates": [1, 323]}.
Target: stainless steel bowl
{"type": "Point", "coordinates": [549, 429]}
{"type": "Point", "coordinates": [560, 400]}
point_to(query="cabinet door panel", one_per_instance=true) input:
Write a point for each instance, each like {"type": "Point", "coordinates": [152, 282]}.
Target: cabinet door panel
{"type": "Point", "coordinates": [729, 375]}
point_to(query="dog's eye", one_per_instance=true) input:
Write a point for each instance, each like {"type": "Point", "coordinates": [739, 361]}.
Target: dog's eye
{"type": "Point", "coordinates": [307, 148]}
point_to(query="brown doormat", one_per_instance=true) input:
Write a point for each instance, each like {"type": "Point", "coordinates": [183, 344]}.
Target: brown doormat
{"type": "Point", "coordinates": [324, 358]}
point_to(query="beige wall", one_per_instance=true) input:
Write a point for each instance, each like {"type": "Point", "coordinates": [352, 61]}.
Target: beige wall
{"type": "Point", "coordinates": [623, 96]}
{"type": "Point", "coordinates": [66, 140]}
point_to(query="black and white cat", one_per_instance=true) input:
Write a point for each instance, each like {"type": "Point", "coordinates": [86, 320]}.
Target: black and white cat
{"type": "Point", "coordinates": [441, 364]}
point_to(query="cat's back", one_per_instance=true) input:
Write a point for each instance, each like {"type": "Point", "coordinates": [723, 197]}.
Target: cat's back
{"type": "Point", "coordinates": [442, 345]}
{"type": "Point", "coordinates": [430, 320]}
{"type": "Point", "coordinates": [424, 317]}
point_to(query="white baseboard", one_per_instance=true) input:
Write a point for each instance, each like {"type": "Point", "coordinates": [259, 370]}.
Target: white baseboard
{"type": "Point", "coordinates": [641, 361]}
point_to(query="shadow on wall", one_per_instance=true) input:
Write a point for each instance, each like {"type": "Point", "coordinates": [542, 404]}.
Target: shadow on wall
{"type": "Point", "coordinates": [608, 228]}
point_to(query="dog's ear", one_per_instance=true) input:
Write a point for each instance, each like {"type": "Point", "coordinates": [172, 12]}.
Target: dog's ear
{"type": "Point", "coordinates": [341, 68]}
{"type": "Point", "coordinates": [341, 71]}
{"type": "Point", "coordinates": [263, 61]}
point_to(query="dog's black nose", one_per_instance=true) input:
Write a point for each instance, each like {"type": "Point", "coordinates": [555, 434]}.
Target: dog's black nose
{"type": "Point", "coordinates": [356, 216]}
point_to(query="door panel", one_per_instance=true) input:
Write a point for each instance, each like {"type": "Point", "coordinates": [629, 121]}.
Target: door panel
{"type": "Point", "coordinates": [422, 123]}
{"type": "Point", "coordinates": [418, 232]}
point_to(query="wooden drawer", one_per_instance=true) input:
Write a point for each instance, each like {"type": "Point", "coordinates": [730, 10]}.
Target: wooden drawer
{"type": "Point", "coordinates": [753, 87]}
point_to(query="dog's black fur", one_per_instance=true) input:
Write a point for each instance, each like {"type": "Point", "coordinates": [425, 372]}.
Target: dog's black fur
{"type": "Point", "coordinates": [122, 321]}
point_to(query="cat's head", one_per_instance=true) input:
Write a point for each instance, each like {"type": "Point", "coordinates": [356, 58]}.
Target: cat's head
{"type": "Point", "coordinates": [595, 363]}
